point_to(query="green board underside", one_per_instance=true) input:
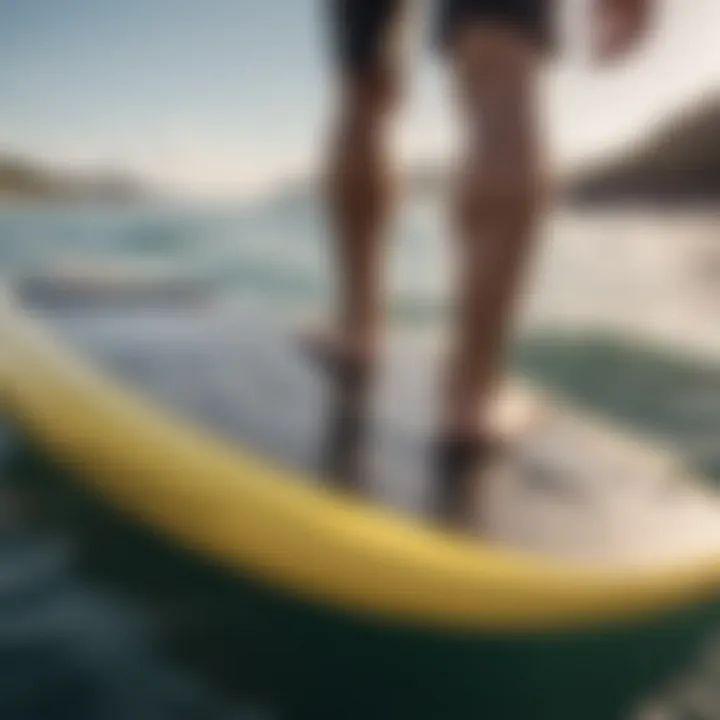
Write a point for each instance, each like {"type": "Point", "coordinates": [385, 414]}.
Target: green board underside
{"type": "Point", "coordinates": [303, 660]}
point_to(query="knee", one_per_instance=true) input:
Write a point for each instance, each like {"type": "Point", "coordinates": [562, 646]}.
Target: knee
{"type": "Point", "coordinates": [496, 75]}
{"type": "Point", "coordinates": [493, 63]}
{"type": "Point", "coordinates": [369, 99]}
{"type": "Point", "coordinates": [503, 166]}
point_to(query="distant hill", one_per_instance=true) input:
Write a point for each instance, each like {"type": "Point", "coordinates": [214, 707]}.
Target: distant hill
{"type": "Point", "coordinates": [25, 180]}
{"type": "Point", "coordinates": [679, 163]}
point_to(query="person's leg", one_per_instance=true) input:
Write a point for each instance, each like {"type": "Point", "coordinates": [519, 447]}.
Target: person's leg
{"type": "Point", "coordinates": [495, 52]}
{"type": "Point", "coordinates": [360, 195]}
{"type": "Point", "coordinates": [360, 183]}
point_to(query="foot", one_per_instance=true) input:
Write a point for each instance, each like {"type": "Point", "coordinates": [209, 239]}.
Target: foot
{"type": "Point", "coordinates": [464, 453]}
{"type": "Point", "coordinates": [349, 365]}
{"type": "Point", "coordinates": [343, 451]}
{"type": "Point", "coordinates": [460, 466]}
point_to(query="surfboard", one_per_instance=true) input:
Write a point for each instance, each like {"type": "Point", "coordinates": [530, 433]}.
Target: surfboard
{"type": "Point", "coordinates": [592, 580]}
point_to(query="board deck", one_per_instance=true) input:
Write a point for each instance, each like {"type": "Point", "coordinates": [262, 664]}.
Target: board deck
{"type": "Point", "coordinates": [572, 487]}
{"type": "Point", "coordinates": [320, 608]}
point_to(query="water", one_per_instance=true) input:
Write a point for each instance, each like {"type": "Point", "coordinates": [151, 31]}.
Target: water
{"type": "Point", "coordinates": [622, 312]}
{"type": "Point", "coordinates": [629, 273]}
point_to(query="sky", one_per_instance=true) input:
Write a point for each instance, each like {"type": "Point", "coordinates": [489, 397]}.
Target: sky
{"type": "Point", "coordinates": [229, 97]}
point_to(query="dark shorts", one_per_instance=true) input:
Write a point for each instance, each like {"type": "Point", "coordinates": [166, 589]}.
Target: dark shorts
{"type": "Point", "coordinates": [361, 27]}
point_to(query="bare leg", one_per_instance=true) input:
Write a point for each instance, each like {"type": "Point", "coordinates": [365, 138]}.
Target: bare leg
{"type": "Point", "coordinates": [361, 195]}
{"type": "Point", "coordinates": [494, 213]}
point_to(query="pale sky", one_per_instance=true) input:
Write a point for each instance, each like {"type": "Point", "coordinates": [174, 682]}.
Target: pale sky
{"type": "Point", "coordinates": [231, 96]}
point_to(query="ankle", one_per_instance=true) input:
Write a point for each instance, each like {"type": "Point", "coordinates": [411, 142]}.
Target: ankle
{"type": "Point", "coordinates": [462, 426]}
{"type": "Point", "coordinates": [359, 339]}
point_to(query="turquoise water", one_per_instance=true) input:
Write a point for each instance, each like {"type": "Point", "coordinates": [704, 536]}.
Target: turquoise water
{"type": "Point", "coordinates": [621, 313]}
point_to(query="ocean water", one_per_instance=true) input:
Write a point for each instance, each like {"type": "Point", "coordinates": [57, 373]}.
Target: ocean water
{"type": "Point", "coordinates": [656, 276]}
{"type": "Point", "coordinates": [621, 311]}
